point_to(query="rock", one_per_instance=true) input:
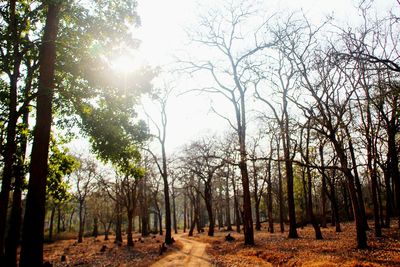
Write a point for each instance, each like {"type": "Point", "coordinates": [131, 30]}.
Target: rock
{"type": "Point", "coordinates": [229, 238]}
{"type": "Point", "coordinates": [103, 248]}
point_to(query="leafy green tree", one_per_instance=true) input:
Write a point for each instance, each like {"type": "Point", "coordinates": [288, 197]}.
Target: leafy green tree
{"type": "Point", "coordinates": [61, 164]}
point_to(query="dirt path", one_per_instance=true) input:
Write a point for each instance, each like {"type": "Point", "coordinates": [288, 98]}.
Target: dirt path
{"type": "Point", "coordinates": [192, 254]}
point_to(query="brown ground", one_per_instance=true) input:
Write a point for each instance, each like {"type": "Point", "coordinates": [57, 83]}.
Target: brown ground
{"type": "Point", "coordinates": [336, 249]}
{"type": "Point", "coordinates": [193, 253]}
{"type": "Point", "coordinates": [88, 253]}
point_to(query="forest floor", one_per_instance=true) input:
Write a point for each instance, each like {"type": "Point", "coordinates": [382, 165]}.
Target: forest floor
{"type": "Point", "coordinates": [90, 253]}
{"type": "Point", "coordinates": [336, 249]}
{"type": "Point", "coordinates": [193, 253]}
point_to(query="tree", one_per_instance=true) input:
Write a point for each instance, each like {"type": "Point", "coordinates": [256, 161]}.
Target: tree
{"type": "Point", "coordinates": [373, 48]}
{"type": "Point", "coordinates": [32, 235]}
{"type": "Point", "coordinates": [237, 52]}
{"type": "Point", "coordinates": [203, 162]}
{"type": "Point", "coordinates": [16, 52]}
{"type": "Point", "coordinates": [328, 112]}
{"type": "Point", "coordinates": [283, 80]}
{"type": "Point", "coordinates": [256, 168]}
{"type": "Point", "coordinates": [307, 158]}
{"type": "Point", "coordinates": [61, 164]}
{"type": "Point", "coordinates": [84, 178]}
{"type": "Point", "coordinates": [161, 98]}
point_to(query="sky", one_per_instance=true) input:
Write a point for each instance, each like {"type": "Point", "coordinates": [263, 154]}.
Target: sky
{"type": "Point", "coordinates": [163, 35]}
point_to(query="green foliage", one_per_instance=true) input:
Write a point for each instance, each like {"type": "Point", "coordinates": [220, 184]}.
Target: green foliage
{"type": "Point", "coordinates": [91, 36]}
{"type": "Point", "coordinates": [60, 165]}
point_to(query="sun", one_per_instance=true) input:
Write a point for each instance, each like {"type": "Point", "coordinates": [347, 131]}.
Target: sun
{"type": "Point", "coordinates": [125, 64]}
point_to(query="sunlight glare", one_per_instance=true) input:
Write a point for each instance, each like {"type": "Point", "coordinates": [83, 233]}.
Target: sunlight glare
{"type": "Point", "coordinates": [125, 64]}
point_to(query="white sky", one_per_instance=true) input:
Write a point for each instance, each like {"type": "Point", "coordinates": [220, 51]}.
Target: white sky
{"type": "Point", "coordinates": [162, 34]}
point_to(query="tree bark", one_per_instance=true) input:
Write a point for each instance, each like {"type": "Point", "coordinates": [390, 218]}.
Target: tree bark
{"type": "Point", "coordinates": [95, 232]}
{"type": "Point", "coordinates": [256, 197]}
{"type": "Point", "coordinates": [32, 235]}
{"type": "Point", "coordinates": [357, 182]}
{"type": "Point", "coordinates": [81, 221]}
{"type": "Point", "coordinates": [118, 223]}
{"type": "Point", "coordinates": [174, 211]}
{"type": "Point", "coordinates": [318, 234]}
{"type": "Point", "coordinates": [208, 201]}
{"type": "Point", "coordinates": [53, 211]}
{"type": "Point", "coordinates": [129, 231]}
{"type": "Point", "coordinates": [184, 212]}
{"type": "Point", "coordinates": [227, 205]}
{"type": "Point", "coordinates": [280, 189]}
{"type": "Point", "coordinates": [357, 210]}
{"type": "Point", "coordinates": [10, 146]}
{"type": "Point", "coordinates": [269, 195]}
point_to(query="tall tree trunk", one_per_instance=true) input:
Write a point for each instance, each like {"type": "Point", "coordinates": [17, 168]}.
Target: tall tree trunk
{"type": "Point", "coordinates": [144, 209]}
{"type": "Point", "coordinates": [247, 217]}
{"type": "Point", "coordinates": [32, 235]}
{"type": "Point", "coordinates": [393, 167]}
{"type": "Point", "coordinates": [318, 234]}
{"type": "Point", "coordinates": [357, 182]}
{"type": "Point", "coordinates": [256, 197]}
{"type": "Point", "coordinates": [53, 211]}
{"type": "Point", "coordinates": [81, 221]}
{"type": "Point", "coordinates": [357, 210]}
{"type": "Point", "coordinates": [280, 190]}
{"type": "Point", "coordinates": [129, 231]}
{"type": "Point", "coordinates": [10, 147]}
{"type": "Point", "coordinates": [208, 201]}
{"type": "Point", "coordinates": [388, 193]}
{"type": "Point", "coordinates": [155, 222]}
{"type": "Point", "coordinates": [236, 205]}
{"type": "Point", "coordinates": [71, 216]}
{"type": "Point", "coordinates": [323, 187]}
{"type": "Point", "coordinates": [174, 211]}
{"type": "Point", "coordinates": [195, 216]}
{"type": "Point", "coordinates": [241, 129]}
{"type": "Point", "coordinates": [291, 205]}
{"type": "Point", "coordinates": [227, 205]}
{"type": "Point", "coordinates": [14, 231]}
{"type": "Point", "coordinates": [184, 212]}
{"type": "Point", "coordinates": [347, 209]}
{"type": "Point", "coordinates": [58, 219]}
{"type": "Point", "coordinates": [95, 232]}
{"type": "Point", "coordinates": [269, 194]}
{"type": "Point", "coordinates": [304, 202]}
{"type": "Point", "coordinates": [334, 204]}
{"type": "Point", "coordinates": [118, 223]}
{"type": "Point", "coordinates": [371, 160]}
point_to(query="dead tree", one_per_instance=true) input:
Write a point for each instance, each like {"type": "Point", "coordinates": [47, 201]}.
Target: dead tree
{"type": "Point", "coordinates": [220, 32]}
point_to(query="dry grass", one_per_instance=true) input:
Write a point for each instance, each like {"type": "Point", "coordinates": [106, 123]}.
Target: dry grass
{"type": "Point", "coordinates": [89, 252]}
{"type": "Point", "coordinates": [336, 249]}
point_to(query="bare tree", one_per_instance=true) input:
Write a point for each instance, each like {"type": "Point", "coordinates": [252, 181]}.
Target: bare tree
{"type": "Point", "coordinates": [161, 98]}
{"type": "Point", "coordinates": [84, 177]}
{"type": "Point", "coordinates": [222, 32]}
{"type": "Point", "coordinates": [203, 161]}
{"type": "Point", "coordinates": [283, 81]}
